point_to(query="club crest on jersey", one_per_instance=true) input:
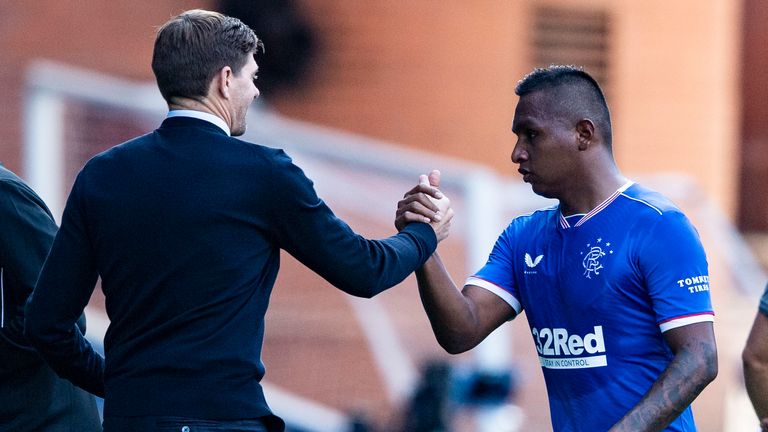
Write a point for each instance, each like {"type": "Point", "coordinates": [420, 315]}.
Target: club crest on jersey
{"type": "Point", "coordinates": [593, 258]}
{"type": "Point", "coordinates": [531, 263]}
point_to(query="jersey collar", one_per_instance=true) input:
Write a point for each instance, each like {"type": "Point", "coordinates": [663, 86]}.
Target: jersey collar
{"type": "Point", "coordinates": [564, 222]}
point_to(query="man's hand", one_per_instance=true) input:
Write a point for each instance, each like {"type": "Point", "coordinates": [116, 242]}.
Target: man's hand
{"type": "Point", "coordinates": [425, 203]}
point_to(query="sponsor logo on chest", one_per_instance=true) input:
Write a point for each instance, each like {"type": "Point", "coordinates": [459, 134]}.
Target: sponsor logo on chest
{"type": "Point", "coordinates": [558, 349]}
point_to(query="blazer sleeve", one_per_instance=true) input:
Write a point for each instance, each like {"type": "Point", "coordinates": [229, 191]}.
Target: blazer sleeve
{"type": "Point", "coordinates": [65, 286]}
{"type": "Point", "coordinates": [307, 229]}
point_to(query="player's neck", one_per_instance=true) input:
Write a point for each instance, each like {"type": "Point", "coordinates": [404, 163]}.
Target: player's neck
{"type": "Point", "coordinates": [210, 105]}
{"type": "Point", "coordinates": [585, 195]}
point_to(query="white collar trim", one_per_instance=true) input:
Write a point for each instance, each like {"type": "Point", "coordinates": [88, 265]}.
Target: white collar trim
{"type": "Point", "coordinates": [201, 116]}
{"type": "Point", "coordinates": [564, 222]}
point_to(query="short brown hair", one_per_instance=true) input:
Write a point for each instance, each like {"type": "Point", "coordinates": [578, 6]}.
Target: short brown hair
{"type": "Point", "coordinates": [193, 46]}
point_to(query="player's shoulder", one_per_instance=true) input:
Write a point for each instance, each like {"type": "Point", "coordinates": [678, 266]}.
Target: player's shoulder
{"type": "Point", "coordinates": [535, 221]}
{"type": "Point", "coordinates": [652, 210]}
{"type": "Point", "coordinates": [646, 200]}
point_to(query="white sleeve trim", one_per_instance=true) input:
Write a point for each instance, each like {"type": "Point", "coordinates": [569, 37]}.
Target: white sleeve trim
{"type": "Point", "coordinates": [499, 291]}
{"type": "Point", "coordinates": [687, 320]}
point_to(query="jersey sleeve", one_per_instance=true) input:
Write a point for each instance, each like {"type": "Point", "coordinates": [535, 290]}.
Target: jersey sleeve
{"type": "Point", "coordinates": [674, 265]}
{"type": "Point", "coordinates": [497, 275]}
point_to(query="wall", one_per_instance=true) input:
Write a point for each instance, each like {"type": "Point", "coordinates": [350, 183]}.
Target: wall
{"type": "Point", "coordinates": [754, 152]}
{"type": "Point", "coordinates": [112, 37]}
{"type": "Point", "coordinates": [677, 101]}
{"type": "Point", "coordinates": [442, 78]}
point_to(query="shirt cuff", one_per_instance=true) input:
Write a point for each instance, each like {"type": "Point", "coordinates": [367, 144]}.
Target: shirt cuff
{"type": "Point", "coordinates": [499, 291]}
{"type": "Point", "coordinates": [424, 232]}
{"type": "Point", "coordinates": [686, 320]}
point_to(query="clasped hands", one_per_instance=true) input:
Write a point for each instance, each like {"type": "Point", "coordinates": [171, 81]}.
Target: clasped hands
{"type": "Point", "coordinates": [426, 203]}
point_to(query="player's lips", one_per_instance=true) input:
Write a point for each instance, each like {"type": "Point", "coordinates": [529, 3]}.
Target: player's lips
{"type": "Point", "coordinates": [525, 173]}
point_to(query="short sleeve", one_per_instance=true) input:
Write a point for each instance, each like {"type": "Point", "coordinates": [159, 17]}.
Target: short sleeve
{"type": "Point", "coordinates": [676, 273]}
{"type": "Point", "coordinates": [497, 275]}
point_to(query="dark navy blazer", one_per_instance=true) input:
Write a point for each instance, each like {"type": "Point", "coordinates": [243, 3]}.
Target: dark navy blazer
{"type": "Point", "coordinates": [185, 225]}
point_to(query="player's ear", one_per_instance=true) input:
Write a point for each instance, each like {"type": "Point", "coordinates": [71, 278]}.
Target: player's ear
{"type": "Point", "coordinates": [585, 131]}
{"type": "Point", "coordinates": [222, 82]}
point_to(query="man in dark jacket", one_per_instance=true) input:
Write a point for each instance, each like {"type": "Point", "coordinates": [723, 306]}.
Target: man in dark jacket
{"type": "Point", "coordinates": [185, 226]}
{"type": "Point", "coordinates": [32, 397]}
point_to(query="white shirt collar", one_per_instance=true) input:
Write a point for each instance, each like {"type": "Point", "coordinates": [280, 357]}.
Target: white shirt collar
{"type": "Point", "coordinates": [202, 116]}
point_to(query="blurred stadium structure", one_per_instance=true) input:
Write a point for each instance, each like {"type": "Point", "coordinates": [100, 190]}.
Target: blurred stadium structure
{"type": "Point", "coordinates": [331, 358]}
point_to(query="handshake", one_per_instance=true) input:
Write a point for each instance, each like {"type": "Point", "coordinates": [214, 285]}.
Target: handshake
{"type": "Point", "coordinates": [425, 203]}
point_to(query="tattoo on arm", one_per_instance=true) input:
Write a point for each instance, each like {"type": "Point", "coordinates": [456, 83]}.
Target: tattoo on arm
{"type": "Point", "coordinates": [694, 366]}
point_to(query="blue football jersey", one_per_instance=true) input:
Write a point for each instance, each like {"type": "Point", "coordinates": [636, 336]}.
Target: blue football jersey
{"type": "Point", "coordinates": [598, 294]}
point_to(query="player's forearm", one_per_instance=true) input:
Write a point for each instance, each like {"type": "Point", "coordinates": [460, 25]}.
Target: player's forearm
{"type": "Point", "coordinates": [756, 381]}
{"type": "Point", "coordinates": [755, 361]}
{"type": "Point", "coordinates": [685, 377]}
{"type": "Point", "coordinates": [450, 314]}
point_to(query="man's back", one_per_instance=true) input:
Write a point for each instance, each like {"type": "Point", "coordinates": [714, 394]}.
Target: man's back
{"type": "Point", "coordinates": [181, 233]}
{"type": "Point", "coordinates": [184, 225]}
